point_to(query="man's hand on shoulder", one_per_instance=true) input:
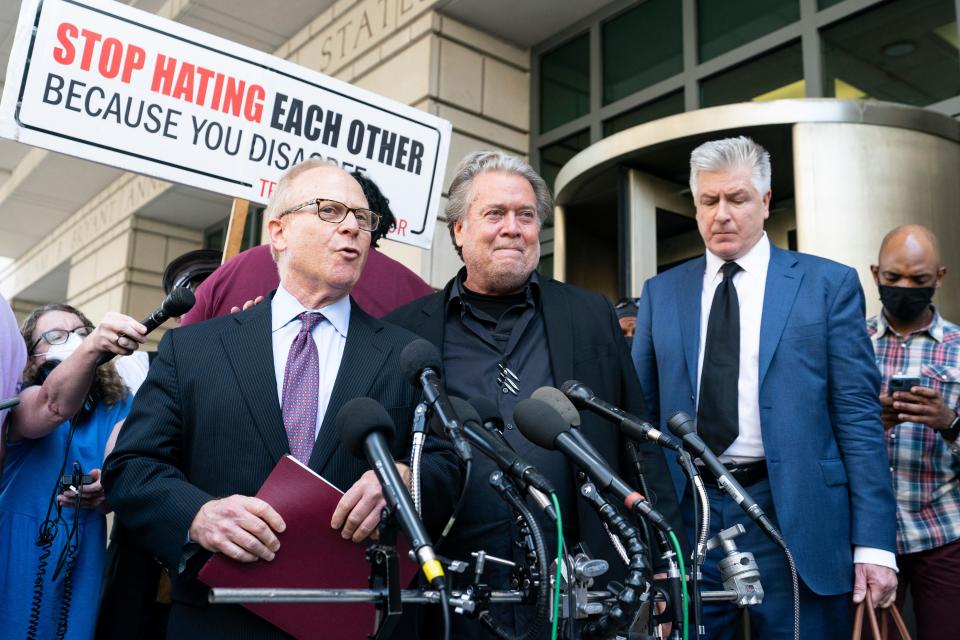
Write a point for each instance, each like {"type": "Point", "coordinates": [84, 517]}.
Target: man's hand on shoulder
{"type": "Point", "coordinates": [357, 516]}
{"type": "Point", "coordinates": [246, 305]}
{"type": "Point", "coordinates": [239, 527]}
{"type": "Point", "coordinates": [881, 581]}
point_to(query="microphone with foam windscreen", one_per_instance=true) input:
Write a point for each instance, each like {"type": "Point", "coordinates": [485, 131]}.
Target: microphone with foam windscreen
{"type": "Point", "coordinates": [543, 426]}
{"type": "Point", "coordinates": [177, 303]}
{"type": "Point", "coordinates": [583, 397]}
{"type": "Point", "coordinates": [366, 430]}
{"type": "Point", "coordinates": [420, 363]}
{"type": "Point", "coordinates": [555, 399]}
{"type": "Point", "coordinates": [682, 425]}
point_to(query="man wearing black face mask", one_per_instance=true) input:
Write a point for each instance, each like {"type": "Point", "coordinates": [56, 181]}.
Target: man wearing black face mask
{"type": "Point", "coordinates": [921, 425]}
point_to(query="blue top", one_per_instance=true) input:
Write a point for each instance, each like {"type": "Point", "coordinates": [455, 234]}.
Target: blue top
{"type": "Point", "coordinates": [29, 474]}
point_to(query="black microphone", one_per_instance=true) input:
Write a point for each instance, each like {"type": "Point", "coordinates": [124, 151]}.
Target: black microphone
{"type": "Point", "coordinates": [543, 426]}
{"type": "Point", "coordinates": [9, 402]}
{"type": "Point", "coordinates": [489, 416]}
{"type": "Point", "coordinates": [558, 402]}
{"type": "Point", "coordinates": [634, 427]}
{"type": "Point", "coordinates": [366, 430]}
{"type": "Point", "coordinates": [420, 363]}
{"type": "Point", "coordinates": [177, 303]}
{"type": "Point", "coordinates": [492, 443]}
{"type": "Point", "coordinates": [682, 425]}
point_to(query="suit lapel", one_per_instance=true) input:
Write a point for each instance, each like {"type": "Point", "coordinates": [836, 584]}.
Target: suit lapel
{"type": "Point", "coordinates": [783, 282]}
{"type": "Point", "coordinates": [363, 358]}
{"type": "Point", "coordinates": [249, 349]}
{"type": "Point", "coordinates": [688, 308]}
{"type": "Point", "coordinates": [558, 323]}
{"type": "Point", "coordinates": [431, 322]}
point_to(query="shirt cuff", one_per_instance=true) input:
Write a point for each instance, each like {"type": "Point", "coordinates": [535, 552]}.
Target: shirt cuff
{"type": "Point", "coordinates": [869, 555]}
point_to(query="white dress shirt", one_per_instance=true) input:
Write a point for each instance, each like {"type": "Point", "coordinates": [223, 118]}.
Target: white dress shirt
{"type": "Point", "coordinates": [750, 283]}
{"type": "Point", "coordinates": [330, 336]}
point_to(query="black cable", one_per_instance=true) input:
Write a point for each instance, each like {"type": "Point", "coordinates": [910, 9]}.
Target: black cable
{"type": "Point", "coordinates": [465, 479]}
{"type": "Point", "coordinates": [445, 607]}
{"type": "Point", "coordinates": [47, 536]}
{"type": "Point", "coordinates": [509, 493]}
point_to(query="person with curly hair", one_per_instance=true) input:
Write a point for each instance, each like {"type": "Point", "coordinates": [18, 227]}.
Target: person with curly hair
{"type": "Point", "coordinates": [54, 531]}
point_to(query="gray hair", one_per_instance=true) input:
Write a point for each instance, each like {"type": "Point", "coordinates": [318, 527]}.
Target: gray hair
{"type": "Point", "coordinates": [731, 153]}
{"type": "Point", "coordinates": [477, 162]}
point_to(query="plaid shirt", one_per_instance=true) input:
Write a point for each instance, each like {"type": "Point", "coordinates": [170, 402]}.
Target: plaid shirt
{"type": "Point", "coordinates": [925, 467]}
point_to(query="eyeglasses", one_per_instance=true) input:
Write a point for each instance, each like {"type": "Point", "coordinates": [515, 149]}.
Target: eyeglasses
{"type": "Point", "coordinates": [336, 212]}
{"type": "Point", "coordinates": [59, 336]}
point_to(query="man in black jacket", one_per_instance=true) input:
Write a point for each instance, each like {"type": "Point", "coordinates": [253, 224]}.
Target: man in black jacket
{"type": "Point", "coordinates": [505, 331]}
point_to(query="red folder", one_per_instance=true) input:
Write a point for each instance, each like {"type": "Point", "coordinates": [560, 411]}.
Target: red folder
{"type": "Point", "coordinates": [311, 556]}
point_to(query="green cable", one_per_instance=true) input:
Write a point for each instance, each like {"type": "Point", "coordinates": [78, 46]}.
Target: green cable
{"type": "Point", "coordinates": [556, 586]}
{"type": "Point", "coordinates": [683, 582]}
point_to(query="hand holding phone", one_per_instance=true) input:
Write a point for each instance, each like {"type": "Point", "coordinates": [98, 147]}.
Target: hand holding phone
{"type": "Point", "coordinates": [902, 383]}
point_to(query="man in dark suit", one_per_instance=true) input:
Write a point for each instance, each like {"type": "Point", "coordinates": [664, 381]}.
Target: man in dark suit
{"type": "Point", "coordinates": [504, 331]}
{"type": "Point", "coordinates": [768, 348]}
{"type": "Point", "coordinates": [226, 399]}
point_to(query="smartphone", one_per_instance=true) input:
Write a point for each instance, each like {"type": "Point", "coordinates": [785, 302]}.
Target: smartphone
{"type": "Point", "coordinates": [902, 383]}
{"type": "Point", "coordinates": [67, 481]}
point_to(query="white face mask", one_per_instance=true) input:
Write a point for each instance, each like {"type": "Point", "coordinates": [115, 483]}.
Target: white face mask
{"type": "Point", "coordinates": [61, 351]}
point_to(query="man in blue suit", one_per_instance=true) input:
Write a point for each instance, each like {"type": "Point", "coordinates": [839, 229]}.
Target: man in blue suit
{"type": "Point", "coordinates": [768, 348]}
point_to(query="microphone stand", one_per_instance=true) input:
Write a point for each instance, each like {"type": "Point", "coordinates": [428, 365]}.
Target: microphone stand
{"type": "Point", "coordinates": [699, 551]}
{"type": "Point", "coordinates": [416, 451]}
{"type": "Point", "coordinates": [537, 577]}
{"type": "Point", "coordinates": [674, 577]}
{"type": "Point", "coordinates": [636, 590]}
{"type": "Point", "coordinates": [385, 576]}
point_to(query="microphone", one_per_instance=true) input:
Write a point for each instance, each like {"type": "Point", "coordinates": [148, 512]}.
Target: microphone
{"type": "Point", "coordinates": [583, 397]}
{"type": "Point", "coordinates": [543, 426]}
{"type": "Point", "coordinates": [493, 423]}
{"type": "Point", "coordinates": [489, 416]}
{"type": "Point", "coordinates": [558, 402]}
{"type": "Point", "coordinates": [366, 430]}
{"type": "Point", "coordinates": [420, 363]}
{"type": "Point", "coordinates": [178, 302]}
{"type": "Point", "coordinates": [682, 425]}
{"type": "Point", "coordinates": [9, 402]}
{"type": "Point", "coordinates": [492, 443]}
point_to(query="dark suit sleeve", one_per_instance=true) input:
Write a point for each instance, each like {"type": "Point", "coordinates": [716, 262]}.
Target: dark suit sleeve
{"type": "Point", "coordinates": [854, 390]}
{"type": "Point", "coordinates": [143, 477]}
{"type": "Point", "coordinates": [656, 476]}
{"type": "Point", "coordinates": [645, 357]}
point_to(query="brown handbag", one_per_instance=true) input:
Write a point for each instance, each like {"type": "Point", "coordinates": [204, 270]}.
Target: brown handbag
{"type": "Point", "coordinates": [879, 628]}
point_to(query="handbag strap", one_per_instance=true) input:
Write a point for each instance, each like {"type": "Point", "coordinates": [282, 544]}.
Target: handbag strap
{"type": "Point", "coordinates": [875, 627]}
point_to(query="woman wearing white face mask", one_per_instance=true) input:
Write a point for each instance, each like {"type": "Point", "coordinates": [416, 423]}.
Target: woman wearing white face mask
{"type": "Point", "coordinates": [54, 537]}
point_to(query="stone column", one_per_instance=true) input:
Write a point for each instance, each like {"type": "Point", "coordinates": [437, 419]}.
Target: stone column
{"type": "Point", "coordinates": [855, 182]}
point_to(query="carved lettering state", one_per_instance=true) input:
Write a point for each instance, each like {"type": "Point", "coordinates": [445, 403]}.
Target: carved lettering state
{"type": "Point", "coordinates": [355, 32]}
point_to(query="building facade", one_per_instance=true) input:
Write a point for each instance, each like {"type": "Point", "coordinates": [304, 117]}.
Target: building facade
{"type": "Point", "coordinates": [563, 83]}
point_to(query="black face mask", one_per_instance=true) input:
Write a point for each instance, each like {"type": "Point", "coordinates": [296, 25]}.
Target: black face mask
{"type": "Point", "coordinates": [906, 303]}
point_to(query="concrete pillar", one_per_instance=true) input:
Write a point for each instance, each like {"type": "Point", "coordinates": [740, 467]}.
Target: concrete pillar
{"type": "Point", "coordinates": [855, 182]}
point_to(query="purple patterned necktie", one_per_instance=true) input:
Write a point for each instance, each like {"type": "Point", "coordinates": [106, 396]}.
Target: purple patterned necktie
{"type": "Point", "coordinates": [301, 389]}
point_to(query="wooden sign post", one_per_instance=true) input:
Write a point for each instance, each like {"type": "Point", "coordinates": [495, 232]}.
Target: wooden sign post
{"type": "Point", "coordinates": [238, 222]}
